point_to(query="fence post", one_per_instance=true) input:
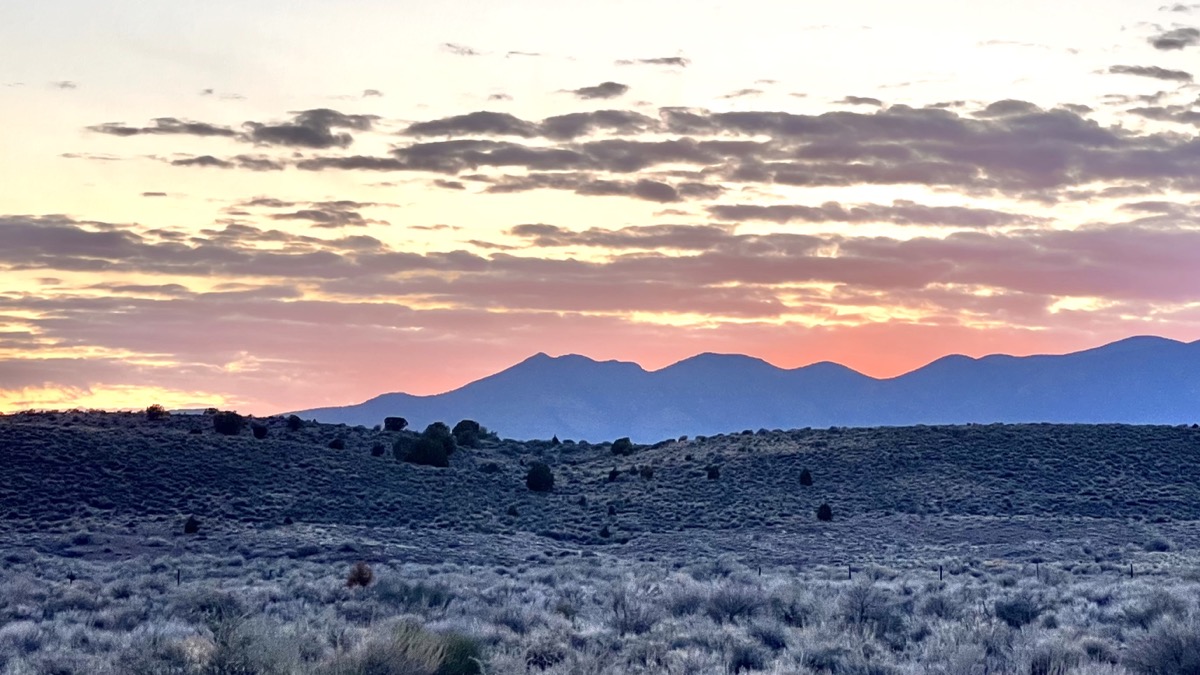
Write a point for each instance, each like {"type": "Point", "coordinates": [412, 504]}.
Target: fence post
{"type": "Point", "coordinates": [1130, 570]}
{"type": "Point", "coordinates": [849, 572]}
{"type": "Point", "coordinates": [939, 572]}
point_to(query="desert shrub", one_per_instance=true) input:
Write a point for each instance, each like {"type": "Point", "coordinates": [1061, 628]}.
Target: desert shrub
{"type": "Point", "coordinates": [544, 656]}
{"type": "Point", "coordinates": [228, 423]}
{"type": "Point", "coordinates": [259, 430]}
{"type": "Point", "coordinates": [462, 656]}
{"type": "Point", "coordinates": [940, 606]}
{"type": "Point", "coordinates": [540, 478]}
{"type": "Point", "coordinates": [613, 475]}
{"type": "Point", "coordinates": [360, 575]}
{"type": "Point", "coordinates": [294, 423]}
{"type": "Point", "coordinates": [156, 412]}
{"type": "Point", "coordinates": [805, 477]}
{"type": "Point", "coordinates": [409, 650]}
{"type": "Point", "coordinates": [467, 433]}
{"type": "Point", "coordinates": [770, 636]}
{"type": "Point", "coordinates": [1052, 658]}
{"type": "Point", "coordinates": [1158, 545]}
{"type": "Point", "coordinates": [337, 444]}
{"type": "Point", "coordinates": [646, 472]}
{"type": "Point", "coordinates": [745, 657]}
{"type": "Point", "coordinates": [824, 513]}
{"type": "Point", "coordinates": [1158, 604]}
{"type": "Point", "coordinates": [394, 423]}
{"type": "Point", "coordinates": [191, 525]}
{"type": "Point", "coordinates": [714, 472]}
{"type": "Point", "coordinates": [632, 612]}
{"type": "Point", "coordinates": [622, 446]}
{"type": "Point", "coordinates": [1172, 648]}
{"type": "Point", "coordinates": [410, 597]}
{"type": "Point", "coordinates": [1018, 611]}
{"type": "Point", "coordinates": [734, 601]}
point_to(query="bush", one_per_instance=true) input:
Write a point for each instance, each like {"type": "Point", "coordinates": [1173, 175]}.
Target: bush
{"type": "Point", "coordinates": [1018, 611]}
{"type": "Point", "coordinates": [337, 444]}
{"type": "Point", "coordinates": [467, 433]}
{"type": "Point", "coordinates": [378, 449]}
{"type": "Point", "coordinates": [1170, 649]}
{"type": "Point", "coordinates": [540, 478]}
{"type": "Point", "coordinates": [156, 412]}
{"type": "Point", "coordinates": [191, 525]}
{"type": "Point", "coordinates": [294, 423]}
{"type": "Point", "coordinates": [714, 472]}
{"type": "Point", "coordinates": [805, 477]}
{"type": "Point", "coordinates": [228, 423]}
{"type": "Point", "coordinates": [463, 656]}
{"type": "Point", "coordinates": [259, 430]}
{"type": "Point", "coordinates": [360, 575]}
{"type": "Point", "coordinates": [734, 601]}
{"type": "Point", "coordinates": [824, 513]}
{"type": "Point", "coordinates": [622, 446]}
{"type": "Point", "coordinates": [394, 423]}
{"type": "Point", "coordinates": [432, 448]}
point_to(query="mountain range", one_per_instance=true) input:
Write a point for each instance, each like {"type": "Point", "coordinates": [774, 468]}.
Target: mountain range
{"type": "Point", "coordinates": [1139, 380]}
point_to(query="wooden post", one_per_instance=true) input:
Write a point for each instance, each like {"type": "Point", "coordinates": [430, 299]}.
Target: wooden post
{"type": "Point", "coordinates": [939, 572]}
{"type": "Point", "coordinates": [1037, 570]}
{"type": "Point", "coordinates": [849, 572]}
{"type": "Point", "coordinates": [1130, 570]}
{"type": "Point", "coordinates": [177, 576]}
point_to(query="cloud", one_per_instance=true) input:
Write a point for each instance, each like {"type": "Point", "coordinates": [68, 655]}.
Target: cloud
{"type": "Point", "coordinates": [602, 90]}
{"type": "Point", "coordinates": [249, 162]}
{"type": "Point", "coordinates": [573, 125]}
{"type": "Point", "coordinates": [900, 212]}
{"type": "Point", "coordinates": [475, 123]}
{"type": "Point", "coordinates": [311, 129]}
{"type": "Point", "coordinates": [459, 50]}
{"type": "Point", "coordinates": [65, 84]}
{"type": "Point", "coordinates": [861, 100]}
{"type": "Point", "coordinates": [369, 93]}
{"type": "Point", "coordinates": [1007, 108]}
{"type": "Point", "coordinates": [1152, 71]}
{"type": "Point", "coordinates": [204, 160]}
{"type": "Point", "coordinates": [742, 93]}
{"type": "Point", "coordinates": [677, 61]}
{"type": "Point", "coordinates": [499, 97]}
{"type": "Point", "coordinates": [1176, 38]}
{"type": "Point", "coordinates": [165, 126]}
{"type": "Point", "coordinates": [329, 215]}
{"type": "Point", "coordinates": [154, 194]}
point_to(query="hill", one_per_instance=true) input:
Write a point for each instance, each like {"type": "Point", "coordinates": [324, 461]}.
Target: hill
{"type": "Point", "coordinates": [1142, 380]}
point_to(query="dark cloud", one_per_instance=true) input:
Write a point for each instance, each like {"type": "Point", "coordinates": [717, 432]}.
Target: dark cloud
{"type": "Point", "coordinates": [1180, 114]}
{"type": "Point", "coordinates": [649, 237]}
{"type": "Point", "coordinates": [1176, 38]}
{"type": "Point", "coordinates": [572, 125]}
{"type": "Point", "coordinates": [248, 162]}
{"type": "Point", "coordinates": [677, 61]}
{"type": "Point", "coordinates": [900, 212]}
{"type": "Point", "coordinates": [449, 184]}
{"type": "Point", "coordinates": [517, 53]}
{"type": "Point", "coordinates": [742, 93]}
{"type": "Point", "coordinates": [65, 84]}
{"type": "Point", "coordinates": [476, 123]}
{"type": "Point", "coordinates": [861, 100]}
{"type": "Point", "coordinates": [165, 126]}
{"type": "Point", "coordinates": [368, 93]}
{"type": "Point", "coordinates": [154, 194]}
{"type": "Point", "coordinates": [1007, 108]}
{"type": "Point", "coordinates": [328, 215]}
{"type": "Point", "coordinates": [499, 97]}
{"type": "Point", "coordinates": [602, 90]}
{"type": "Point", "coordinates": [311, 129]}
{"type": "Point", "coordinates": [1153, 72]}
{"type": "Point", "coordinates": [204, 160]}
{"type": "Point", "coordinates": [459, 50]}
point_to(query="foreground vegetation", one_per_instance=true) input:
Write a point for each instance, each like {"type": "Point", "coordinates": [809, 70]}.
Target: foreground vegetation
{"type": "Point", "coordinates": [168, 544]}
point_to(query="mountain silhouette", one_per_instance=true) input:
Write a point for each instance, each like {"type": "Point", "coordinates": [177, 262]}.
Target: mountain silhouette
{"type": "Point", "coordinates": [1140, 380]}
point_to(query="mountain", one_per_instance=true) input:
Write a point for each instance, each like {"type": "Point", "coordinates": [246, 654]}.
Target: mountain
{"type": "Point", "coordinates": [1140, 380]}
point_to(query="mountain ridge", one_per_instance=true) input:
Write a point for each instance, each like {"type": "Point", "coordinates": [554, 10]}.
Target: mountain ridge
{"type": "Point", "coordinates": [1141, 379]}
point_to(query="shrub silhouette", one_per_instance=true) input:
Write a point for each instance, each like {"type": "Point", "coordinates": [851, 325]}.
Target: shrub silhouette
{"type": "Point", "coordinates": [377, 450]}
{"type": "Point", "coordinates": [337, 444]}
{"type": "Point", "coordinates": [394, 423]}
{"type": "Point", "coordinates": [647, 472]}
{"type": "Point", "coordinates": [805, 477]}
{"type": "Point", "coordinates": [259, 430]}
{"type": "Point", "coordinates": [228, 423]}
{"type": "Point", "coordinates": [622, 446]}
{"type": "Point", "coordinates": [1018, 611]}
{"type": "Point", "coordinates": [156, 412]}
{"type": "Point", "coordinates": [714, 472]}
{"type": "Point", "coordinates": [824, 513]}
{"type": "Point", "coordinates": [360, 575]}
{"type": "Point", "coordinates": [540, 478]}
{"type": "Point", "coordinates": [432, 448]}
{"type": "Point", "coordinates": [191, 526]}
{"type": "Point", "coordinates": [462, 656]}
{"type": "Point", "coordinates": [467, 433]}
{"type": "Point", "coordinates": [294, 423]}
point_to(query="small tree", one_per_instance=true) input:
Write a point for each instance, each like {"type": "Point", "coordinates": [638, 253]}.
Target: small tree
{"type": "Point", "coordinates": [228, 423]}
{"type": "Point", "coordinates": [805, 477]}
{"type": "Point", "coordinates": [191, 526]}
{"type": "Point", "coordinates": [377, 450]}
{"type": "Point", "coordinates": [714, 472]}
{"type": "Point", "coordinates": [156, 412]}
{"type": "Point", "coordinates": [294, 423]}
{"type": "Point", "coordinates": [360, 575]}
{"type": "Point", "coordinates": [824, 513]}
{"type": "Point", "coordinates": [540, 478]}
{"type": "Point", "coordinates": [432, 448]}
{"type": "Point", "coordinates": [259, 430]}
{"type": "Point", "coordinates": [467, 433]}
{"type": "Point", "coordinates": [622, 446]}
{"type": "Point", "coordinates": [337, 444]}
{"type": "Point", "coordinates": [394, 423]}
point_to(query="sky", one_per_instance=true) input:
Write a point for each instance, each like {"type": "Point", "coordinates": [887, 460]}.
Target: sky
{"type": "Point", "coordinates": [272, 206]}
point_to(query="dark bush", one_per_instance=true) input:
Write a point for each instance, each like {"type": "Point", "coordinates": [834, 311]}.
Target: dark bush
{"type": "Point", "coordinates": [746, 658]}
{"type": "Point", "coordinates": [294, 423]}
{"type": "Point", "coordinates": [622, 446]}
{"type": "Point", "coordinates": [554, 441]}
{"type": "Point", "coordinates": [156, 412]}
{"type": "Point", "coordinates": [824, 513]}
{"type": "Point", "coordinates": [337, 444]}
{"type": "Point", "coordinates": [259, 430]}
{"type": "Point", "coordinates": [605, 532]}
{"type": "Point", "coordinates": [1018, 611]}
{"type": "Point", "coordinates": [540, 478]}
{"type": "Point", "coordinates": [440, 433]}
{"type": "Point", "coordinates": [805, 477]}
{"type": "Point", "coordinates": [228, 423]}
{"type": "Point", "coordinates": [1170, 649]}
{"type": "Point", "coordinates": [432, 448]}
{"type": "Point", "coordinates": [490, 467]}
{"type": "Point", "coordinates": [191, 526]}
{"type": "Point", "coordinates": [463, 656]}
{"type": "Point", "coordinates": [714, 472]}
{"type": "Point", "coordinates": [394, 423]}
{"type": "Point", "coordinates": [646, 472]}
{"type": "Point", "coordinates": [360, 575]}
{"type": "Point", "coordinates": [378, 449]}
{"type": "Point", "coordinates": [613, 475]}
{"type": "Point", "coordinates": [467, 433]}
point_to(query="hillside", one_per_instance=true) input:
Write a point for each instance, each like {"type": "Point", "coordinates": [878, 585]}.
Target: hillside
{"type": "Point", "coordinates": [1144, 380]}
{"type": "Point", "coordinates": [1009, 490]}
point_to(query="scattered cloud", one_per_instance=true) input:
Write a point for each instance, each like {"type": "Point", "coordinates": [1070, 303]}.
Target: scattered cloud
{"type": "Point", "coordinates": [1152, 71]}
{"type": "Point", "coordinates": [861, 100]}
{"type": "Point", "coordinates": [154, 194]}
{"type": "Point", "coordinates": [65, 84]}
{"type": "Point", "coordinates": [475, 123]}
{"type": "Point", "coordinates": [1176, 38]}
{"type": "Point", "coordinates": [742, 93]}
{"type": "Point", "coordinates": [311, 129]}
{"type": "Point", "coordinates": [459, 50]}
{"type": "Point", "coordinates": [676, 61]}
{"type": "Point", "coordinates": [165, 126]}
{"type": "Point", "coordinates": [369, 93]}
{"type": "Point", "coordinates": [603, 90]}
{"type": "Point", "coordinates": [900, 212]}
